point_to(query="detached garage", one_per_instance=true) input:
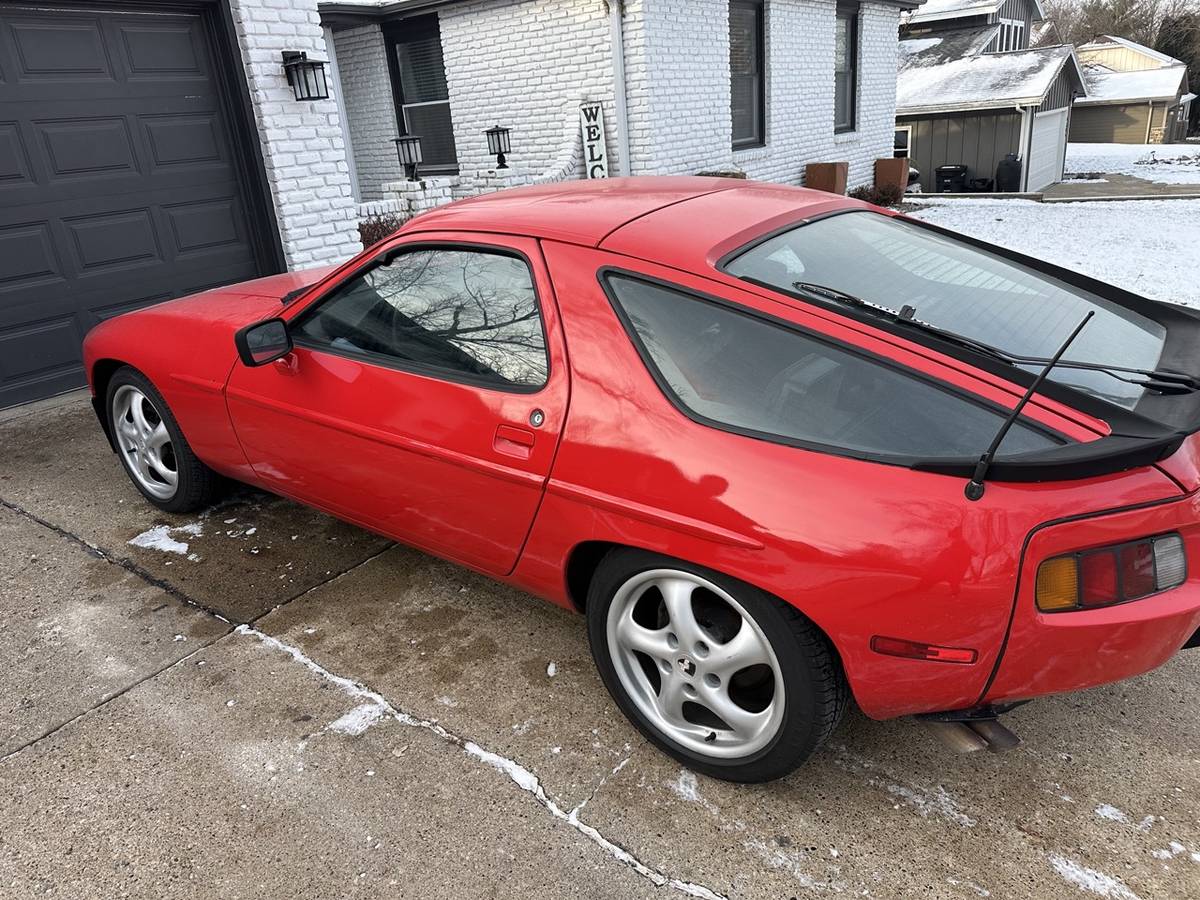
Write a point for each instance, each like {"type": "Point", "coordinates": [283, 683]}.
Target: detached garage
{"type": "Point", "coordinates": [972, 109]}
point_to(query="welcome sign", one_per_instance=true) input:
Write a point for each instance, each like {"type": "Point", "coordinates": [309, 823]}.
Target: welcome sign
{"type": "Point", "coordinates": [595, 147]}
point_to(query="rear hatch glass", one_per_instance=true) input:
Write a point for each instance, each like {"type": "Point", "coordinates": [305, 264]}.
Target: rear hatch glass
{"type": "Point", "coordinates": [893, 263]}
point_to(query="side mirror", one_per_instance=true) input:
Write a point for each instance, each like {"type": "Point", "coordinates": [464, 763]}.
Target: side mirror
{"type": "Point", "coordinates": [263, 342]}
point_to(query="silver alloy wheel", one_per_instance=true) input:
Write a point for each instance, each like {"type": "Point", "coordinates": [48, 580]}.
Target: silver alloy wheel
{"type": "Point", "coordinates": [710, 682]}
{"type": "Point", "coordinates": [144, 442]}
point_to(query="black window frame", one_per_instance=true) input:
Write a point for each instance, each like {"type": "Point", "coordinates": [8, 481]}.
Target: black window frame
{"type": "Point", "coordinates": [847, 12]}
{"type": "Point", "coordinates": [605, 273]}
{"type": "Point", "coordinates": [394, 33]}
{"type": "Point", "coordinates": [414, 368]}
{"type": "Point", "coordinates": [759, 137]}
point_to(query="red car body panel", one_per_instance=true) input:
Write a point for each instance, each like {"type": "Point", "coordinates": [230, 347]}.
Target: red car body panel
{"type": "Point", "coordinates": [861, 548]}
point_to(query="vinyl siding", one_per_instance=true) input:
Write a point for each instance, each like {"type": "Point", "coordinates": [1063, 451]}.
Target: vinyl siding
{"type": "Point", "coordinates": [1110, 124]}
{"type": "Point", "coordinates": [1060, 93]}
{"type": "Point", "coordinates": [977, 140]}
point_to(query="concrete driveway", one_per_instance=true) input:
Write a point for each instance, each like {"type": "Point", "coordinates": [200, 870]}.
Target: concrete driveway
{"type": "Point", "coordinates": [263, 702]}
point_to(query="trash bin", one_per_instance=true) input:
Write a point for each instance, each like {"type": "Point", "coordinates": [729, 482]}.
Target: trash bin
{"type": "Point", "coordinates": [1008, 174]}
{"type": "Point", "coordinates": [951, 179]}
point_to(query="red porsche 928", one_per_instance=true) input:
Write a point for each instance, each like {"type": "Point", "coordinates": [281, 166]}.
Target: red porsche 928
{"type": "Point", "coordinates": [780, 447]}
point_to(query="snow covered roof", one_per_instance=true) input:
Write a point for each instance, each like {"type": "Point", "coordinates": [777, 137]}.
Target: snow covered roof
{"type": "Point", "coordinates": [944, 46]}
{"type": "Point", "coordinates": [985, 81]}
{"type": "Point", "coordinates": [937, 10]}
{"type": "Point", "coordinates": [1106, 41]}
{"type": "Point", "coordinates": [1132, 87]}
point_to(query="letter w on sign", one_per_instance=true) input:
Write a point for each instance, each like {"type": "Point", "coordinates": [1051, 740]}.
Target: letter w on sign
{"type": "Point", "coordinates": [595, 147]}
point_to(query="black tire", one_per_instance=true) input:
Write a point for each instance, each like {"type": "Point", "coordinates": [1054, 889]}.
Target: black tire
{"type": "Point", "coordinates": [198, 485]}
{"type": "Point", "coordinates": [815, 687]}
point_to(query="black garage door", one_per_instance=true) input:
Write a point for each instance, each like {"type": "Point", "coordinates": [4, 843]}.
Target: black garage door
{"type": "Point", "coordinates": [123, 179]}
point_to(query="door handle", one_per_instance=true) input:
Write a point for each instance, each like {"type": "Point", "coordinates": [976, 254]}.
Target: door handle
{"type": "Point", "coordinates": [512, 441]}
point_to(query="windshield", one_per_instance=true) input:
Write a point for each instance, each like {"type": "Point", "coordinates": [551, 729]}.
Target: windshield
{"type": "Point", "coordinates": [893, 263]}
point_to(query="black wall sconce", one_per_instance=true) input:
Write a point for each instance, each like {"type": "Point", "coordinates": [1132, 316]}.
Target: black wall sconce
{"type": "Point", "coordinates": [499, 144]}
{"type": "Point", "coordinates": [306, 76]}
{"type": "Point", "coordinates": [408, 148]}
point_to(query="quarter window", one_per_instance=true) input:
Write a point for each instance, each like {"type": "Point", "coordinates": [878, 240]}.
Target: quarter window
{"type": "Point", "coordinates": [466, 313]}
{"type": "Point", "coordinates": [747, 76]}
{"type": "Point", "coordinates": [732, 369]}
{"type": "Point", "coordinates": [845, 68]}
{"type": "Point", "coordinates": [419, 88]}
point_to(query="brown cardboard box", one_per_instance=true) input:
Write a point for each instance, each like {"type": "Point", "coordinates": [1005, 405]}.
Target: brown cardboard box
{"type": "Point", "coordinates": [829, 176]}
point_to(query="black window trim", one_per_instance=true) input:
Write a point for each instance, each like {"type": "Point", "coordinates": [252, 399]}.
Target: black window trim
{"type": "Point", "coordinates": [760, 40]}
{"type": "Point", "coordinates": [1119, 418]}
{"type": "Point", "coordinates": [421, 369]}
{"type": "Point", "coordinates": [605, 273]}
{"type": "Point", "coordinates": [849, 11]}
{"type": "Point", "coordinates": [391, 37]}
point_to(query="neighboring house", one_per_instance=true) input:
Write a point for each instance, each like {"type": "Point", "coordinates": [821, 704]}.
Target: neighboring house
{"type": "Point", "coordinates": [155, 148]}
{"type": "Point", "coordinates": [970, 91]}
{"type": "Point", "coordinates": [1135, 95]}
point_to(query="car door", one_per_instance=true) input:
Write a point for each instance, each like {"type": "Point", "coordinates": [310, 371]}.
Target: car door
{"type": "Point", "coordinates": [424, 397]}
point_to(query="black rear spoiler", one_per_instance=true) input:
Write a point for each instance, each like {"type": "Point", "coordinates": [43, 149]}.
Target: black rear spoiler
{"type": "Point", "coordinates": [1066, 462]}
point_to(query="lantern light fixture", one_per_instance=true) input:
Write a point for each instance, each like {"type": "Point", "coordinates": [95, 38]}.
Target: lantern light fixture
{"type": "Point", "coordinates": [499, 144]}
{"type": "Point", "coordinates": [306, 76]}
{"type": "Point", "coordinates": [408, 148]}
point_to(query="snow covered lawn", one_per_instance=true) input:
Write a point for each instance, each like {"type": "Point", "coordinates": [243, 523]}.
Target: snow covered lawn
{"type": "Point", "coordinates": [1145, 246]}
{"type": "Point", "coordinates": [1164, 163]}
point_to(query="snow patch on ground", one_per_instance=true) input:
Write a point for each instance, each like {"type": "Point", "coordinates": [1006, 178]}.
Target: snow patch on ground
{"type": "Point", "coordinates": [518, 774]}
{"type": "Point", "coordinates": [1164, 163]}
{"type": "Point", "coordinates": [687, 787]}
{"type": "Point", "coordinates": [934, 802]}
{"type": "Point", "coordinates": [159, 538]}
{"type": "Point", "coordinates": [551, 670]}
{"type": "Point", "coordinates": [1090, 880]}
{"type": "Point", "coordinates": [1110, 812]}
{"type": "Point", "coordinates": [1141, 245]}
{"type": "Point", "coordinates": [358, 719]}
{"type": "Point", "coordinates": [793, 863]}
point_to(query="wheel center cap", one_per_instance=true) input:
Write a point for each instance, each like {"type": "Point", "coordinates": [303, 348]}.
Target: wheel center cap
{"type": "Point", "coordinates": [686, 666]}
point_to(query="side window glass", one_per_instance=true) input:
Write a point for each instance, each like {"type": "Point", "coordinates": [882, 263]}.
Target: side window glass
{"type": "Point", "coordinates": [467, 313]}
{"type": "Point", "coordinates": [734, 370]}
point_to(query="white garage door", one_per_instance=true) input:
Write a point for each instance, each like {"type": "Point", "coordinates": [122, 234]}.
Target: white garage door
{"type": "Point", "coordinates": [1047, 149]}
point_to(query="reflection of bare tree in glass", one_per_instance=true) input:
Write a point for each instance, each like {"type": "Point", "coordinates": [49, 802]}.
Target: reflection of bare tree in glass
{"type": "Point", "coordinates": [482, 304]}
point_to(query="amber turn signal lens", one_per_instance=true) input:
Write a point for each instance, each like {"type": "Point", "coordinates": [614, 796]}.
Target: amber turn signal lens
{"type": "Point", "coordinates": [1058, 584]}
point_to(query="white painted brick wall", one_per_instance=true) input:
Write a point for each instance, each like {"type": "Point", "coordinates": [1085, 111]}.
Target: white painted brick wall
{"type": "Point", "coordinates": [367, 94]}
{"type": "Point", "coordinates": [800, 102]}
{"type": "Point", "coordinates": [677, 69]}
{"type": "Point", "coordinates": [527, 65]}
{"type": "Point", "coordinates": [302, 143]}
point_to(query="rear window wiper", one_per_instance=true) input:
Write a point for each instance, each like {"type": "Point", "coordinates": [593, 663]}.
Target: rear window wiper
{"type": "Point", "coordinates": [1158, 380]}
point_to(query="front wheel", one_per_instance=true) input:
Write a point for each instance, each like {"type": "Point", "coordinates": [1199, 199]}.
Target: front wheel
{"type": "Point", "coordinates": [725, 678]}
{"type": "Point", "coordinates": [153, 451]}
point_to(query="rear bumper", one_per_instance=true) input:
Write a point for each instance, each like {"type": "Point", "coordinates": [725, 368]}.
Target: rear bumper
{"type": "Point", "coordinates": [1049, 653]}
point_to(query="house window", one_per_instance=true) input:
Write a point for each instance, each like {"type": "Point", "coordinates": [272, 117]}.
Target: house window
{"type": "Point", "coordinates": [1012, 34]}
{"type": "Point", "coordinates": [902, 144]}
{"type": "Point", "coordinates": [845, 68]}
{"type": "Point", "coordinates": [414, 48]}
{"type": "Point", "coordinates": [747, 73]}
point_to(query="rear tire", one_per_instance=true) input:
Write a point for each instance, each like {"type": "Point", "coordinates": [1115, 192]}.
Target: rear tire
{"type": "Point", "coordinates": [727, 679]}
{"type": "Point", "coordinates": [152, 449]}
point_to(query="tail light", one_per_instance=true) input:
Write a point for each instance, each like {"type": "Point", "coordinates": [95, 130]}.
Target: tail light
{"type": "Point", "coordinates": [1111, 575]}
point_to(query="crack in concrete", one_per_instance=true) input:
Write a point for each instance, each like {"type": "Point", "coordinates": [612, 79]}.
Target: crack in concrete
{"type": "Point", "coordinates": [520, 776]}
{"type": "Point", "coordinates": [111, 697]}
{"type": "Point", "coordinates": [166, 587]}
{"type": "Point", "coordinates": [109, 556]}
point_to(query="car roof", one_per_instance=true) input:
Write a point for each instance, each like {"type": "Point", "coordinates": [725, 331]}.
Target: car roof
{"type": "Point", "coordinates": [669, 219]}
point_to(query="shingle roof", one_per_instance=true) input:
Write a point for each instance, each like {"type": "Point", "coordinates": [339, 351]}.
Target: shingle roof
{"type": "Point", "coordinates": [1106, 86]}
{"type": "Point", "coordinates": [944, 46]}
{"type": "Point", "coordinates": [984, 81]}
